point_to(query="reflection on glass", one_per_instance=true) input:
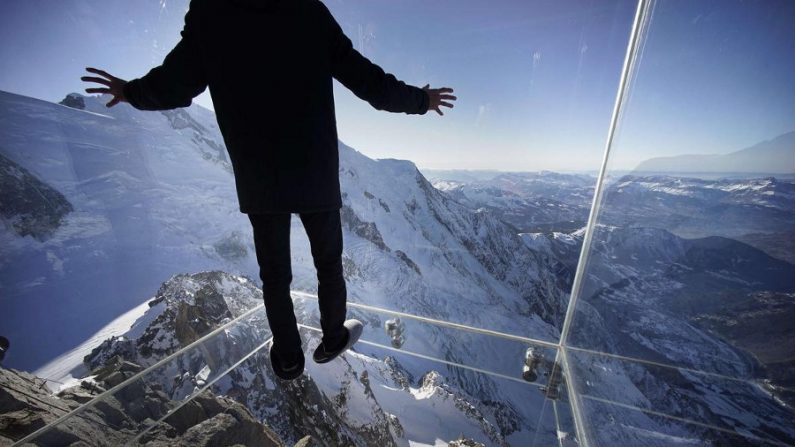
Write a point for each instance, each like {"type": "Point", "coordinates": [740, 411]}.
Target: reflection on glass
{"type": "Point", "coordinates": [682, 328]}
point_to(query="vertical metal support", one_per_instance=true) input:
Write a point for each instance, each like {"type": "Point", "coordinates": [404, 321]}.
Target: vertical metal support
{"type": "Point", "coordinates": [639, 28]}
{"type": "Point", "coordinates": [558, 430]}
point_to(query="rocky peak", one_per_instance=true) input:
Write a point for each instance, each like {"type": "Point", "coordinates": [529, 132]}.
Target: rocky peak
{"type": "Point", "coordinates": [74, 100]}
{"type": "Point", "coordinates": [185, 308]}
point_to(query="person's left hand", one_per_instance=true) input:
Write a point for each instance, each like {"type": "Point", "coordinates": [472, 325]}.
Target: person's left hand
{"type": "Point", "coordinates": [114, 86]}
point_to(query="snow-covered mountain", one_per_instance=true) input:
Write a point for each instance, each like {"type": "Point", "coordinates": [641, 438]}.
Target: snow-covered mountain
{"type": "Point", "coordinates": [759, 211]}
{"type": "Point", "coordinates": [529, 201]}
{"type": "Point", "coordinates": [442, 259]}
{"type": "Point", "coordinates": [693, 207]}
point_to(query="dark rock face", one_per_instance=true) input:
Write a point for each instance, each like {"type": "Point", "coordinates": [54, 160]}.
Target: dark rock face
{"type": "Point", "coordinates": [74, 100]}
{"type": "Point", "coordinates": [208, 420]}
{"type": "Point", "coordinates": [463, 442]}
{"type": "Point", "coordinates": [779, 245]}
{"type": "Point", "coordinates": [193, 321]}
{"type": "Point", "coordinates": [210, 148]}
{"type": "Point", "coordinates": [231, 247]}
{"type": "Point", "coordinates": [404, 257]}
{"type": "Point", "coordinates": [26, 405]}
{"type": "Point", "coordinates": [760, 323]}
{"type": "Point", "coordinates": [193, 305]}
{"type": "Point", "coordinates": [30, 206]}
{"type": "Point", "coordinates": [365, 230]}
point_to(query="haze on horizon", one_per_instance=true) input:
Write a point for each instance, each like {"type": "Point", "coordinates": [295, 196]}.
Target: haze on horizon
{"type": "Point", "coordinates": [536, 80]}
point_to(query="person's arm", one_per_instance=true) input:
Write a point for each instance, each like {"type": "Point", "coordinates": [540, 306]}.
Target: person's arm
{"type": "Point", "coordinates": [178, 80]}
{"type": "Point", "coordinates": [173, 84]}
{"type": "Point", "coordinates": [369, 82]}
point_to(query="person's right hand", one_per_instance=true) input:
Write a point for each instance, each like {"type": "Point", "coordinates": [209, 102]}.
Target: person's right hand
{"type": "Point", "coordinates": [439, 97]}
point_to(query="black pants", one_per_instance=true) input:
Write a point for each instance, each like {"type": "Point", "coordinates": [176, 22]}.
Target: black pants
{"type": "Point", "coordinates": [272, 242]}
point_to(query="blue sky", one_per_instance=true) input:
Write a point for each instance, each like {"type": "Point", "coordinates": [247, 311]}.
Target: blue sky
{"type": "Point", "coordinates": [535, 79]}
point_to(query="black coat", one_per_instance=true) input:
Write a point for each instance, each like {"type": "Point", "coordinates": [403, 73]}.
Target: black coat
{"type": "Point", "coordinates": [269, 65]}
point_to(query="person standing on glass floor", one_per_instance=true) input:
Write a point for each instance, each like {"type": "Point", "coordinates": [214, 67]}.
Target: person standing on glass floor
{"type": "Point", "coordinates": [269, 65]}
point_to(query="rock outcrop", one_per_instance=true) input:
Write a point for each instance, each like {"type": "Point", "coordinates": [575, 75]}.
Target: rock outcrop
{"type": "Point", "coordinates": [208, 420]}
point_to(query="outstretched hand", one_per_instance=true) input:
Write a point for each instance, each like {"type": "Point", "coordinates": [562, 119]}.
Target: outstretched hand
{"type": "Point", "coordinates": [439, 97]}
{"type": "Point", "coordinates": [114, 86]}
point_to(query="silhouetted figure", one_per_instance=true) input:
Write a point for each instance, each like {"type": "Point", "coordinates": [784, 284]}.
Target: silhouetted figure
{"type": "Point", "coordinates": [269, 65]}
{"type": "Point", "coordinates": [4, 344]}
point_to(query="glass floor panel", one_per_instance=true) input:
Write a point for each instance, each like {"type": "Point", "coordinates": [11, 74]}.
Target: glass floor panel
{"type": "Point", "coordinates": [408, 382]}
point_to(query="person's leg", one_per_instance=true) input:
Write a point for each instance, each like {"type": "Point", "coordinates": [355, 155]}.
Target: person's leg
{"type": "Point", "coordinates": [325, 237]}
{"type": "Point", "coordinates": [272, 243]}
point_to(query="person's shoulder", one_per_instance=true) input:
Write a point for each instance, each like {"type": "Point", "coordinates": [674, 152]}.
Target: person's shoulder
{"type": "Point", "coordinates": [317, 7]}
{"type": "Point", "coordinates": [196, 5]}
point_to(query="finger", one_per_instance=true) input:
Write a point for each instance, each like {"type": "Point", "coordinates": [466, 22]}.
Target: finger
{"type": "Point", "coordinates": [98, 90]}
{"type": "Point", "coordinates": [439, 111]}
{"type": "Point", "coordinates": [446, 104]}
{"type": "Point", "coordinates": [97, 80]}
{"type": "Point", "coordinates": [112, 102]}
{"type": "Point", "coordinates": [445, 90]}
{"type": "Point", "coordinates": [450, 97]}
{"type": "Point", "coordinates": [100, 72]}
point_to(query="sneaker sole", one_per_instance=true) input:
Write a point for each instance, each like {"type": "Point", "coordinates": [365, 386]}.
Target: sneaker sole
{"type": "Point", "coordinates": [282, 374]}
{"type": "Point", "coordinates": [355, 329]}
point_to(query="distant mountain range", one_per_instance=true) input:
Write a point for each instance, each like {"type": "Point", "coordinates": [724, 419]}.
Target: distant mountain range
{"type": "Point", "coordinates": [776, 156]}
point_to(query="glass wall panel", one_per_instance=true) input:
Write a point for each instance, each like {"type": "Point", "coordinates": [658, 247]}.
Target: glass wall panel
{"type": "Point", "coordinates": [683, 322]}
{"type": "Point", "coordinates": [101, 205]}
